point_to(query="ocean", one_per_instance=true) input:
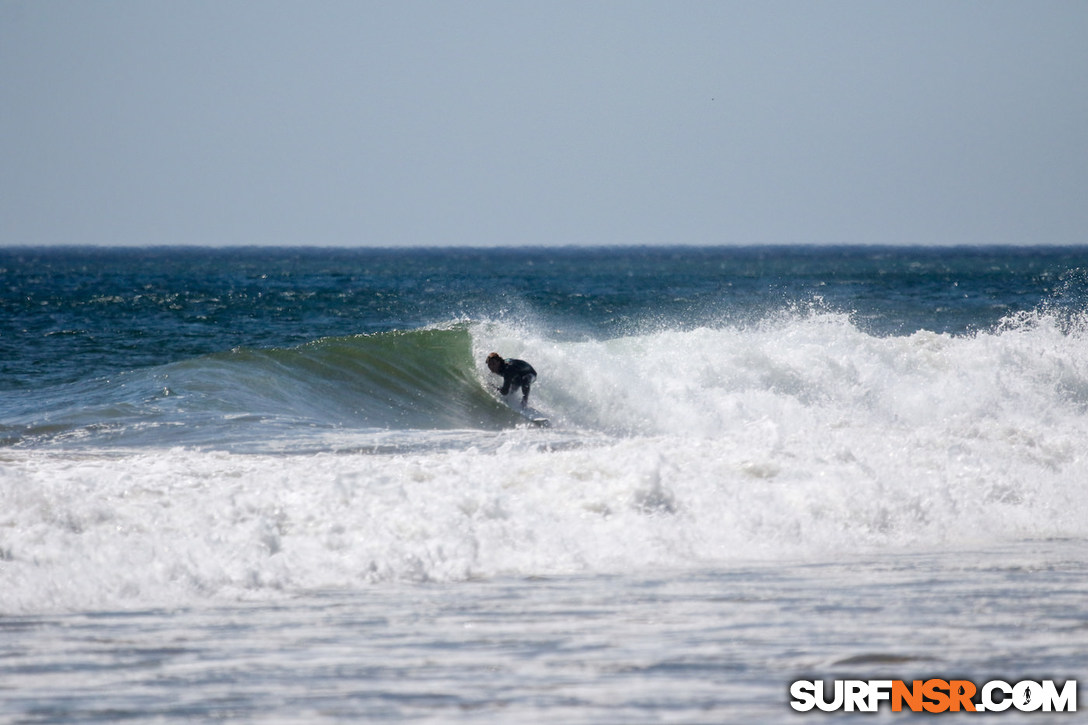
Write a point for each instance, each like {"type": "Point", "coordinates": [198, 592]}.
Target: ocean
{"type": "Point", "coordinates": [279, 485]}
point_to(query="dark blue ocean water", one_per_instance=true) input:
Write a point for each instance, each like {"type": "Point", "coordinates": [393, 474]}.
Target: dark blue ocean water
{"type": "Point", "coordinates": [70, 314]}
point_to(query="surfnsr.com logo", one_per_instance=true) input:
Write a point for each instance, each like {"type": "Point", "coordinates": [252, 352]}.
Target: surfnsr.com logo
{"type": "Point", "coordinates": [934, 696]}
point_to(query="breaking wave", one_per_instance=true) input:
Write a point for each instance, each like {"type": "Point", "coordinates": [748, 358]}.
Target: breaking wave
{"type": "Point", "coordinates": [794, 437]}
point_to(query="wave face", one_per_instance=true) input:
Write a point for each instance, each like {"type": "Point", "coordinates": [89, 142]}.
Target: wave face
{"type": "Point", "coordinates": [800, 436]}
{"type": "Point", "coordinates": [415, 380]}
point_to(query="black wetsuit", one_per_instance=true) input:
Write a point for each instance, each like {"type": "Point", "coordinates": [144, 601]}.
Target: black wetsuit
{"type": "Point", "coordinates": [517, 374]}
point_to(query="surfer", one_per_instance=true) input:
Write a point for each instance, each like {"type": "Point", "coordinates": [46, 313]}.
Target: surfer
{"type": "Point", "coordinates": [515, 374]}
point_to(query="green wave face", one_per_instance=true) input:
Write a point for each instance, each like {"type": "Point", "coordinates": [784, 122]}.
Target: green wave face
{"type": "Point", "coordinates": [422, 379]}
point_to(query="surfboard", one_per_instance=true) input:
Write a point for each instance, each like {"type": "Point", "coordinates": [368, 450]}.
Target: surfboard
{"type": "Point", "coordinates": [534, 416]}
{"type": "Point", "coordinates": [529, 413]}
{"type": "Point", "coordinates": [538, 420]}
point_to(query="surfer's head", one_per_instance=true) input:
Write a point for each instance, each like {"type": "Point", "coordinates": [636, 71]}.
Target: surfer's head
{"type": "Point", "coordinates": [495, 363]}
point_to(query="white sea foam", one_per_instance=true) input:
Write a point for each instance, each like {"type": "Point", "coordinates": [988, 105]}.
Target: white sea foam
{"type": "Point", "coordinates": [801, 437]}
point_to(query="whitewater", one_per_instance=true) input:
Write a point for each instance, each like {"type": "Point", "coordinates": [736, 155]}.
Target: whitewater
{"type": "Point", "coordinates": [356, 526]}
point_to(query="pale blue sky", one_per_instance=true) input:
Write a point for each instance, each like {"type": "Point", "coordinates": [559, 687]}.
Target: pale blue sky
{"type": "Point", "coordinates": [484, 123]}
